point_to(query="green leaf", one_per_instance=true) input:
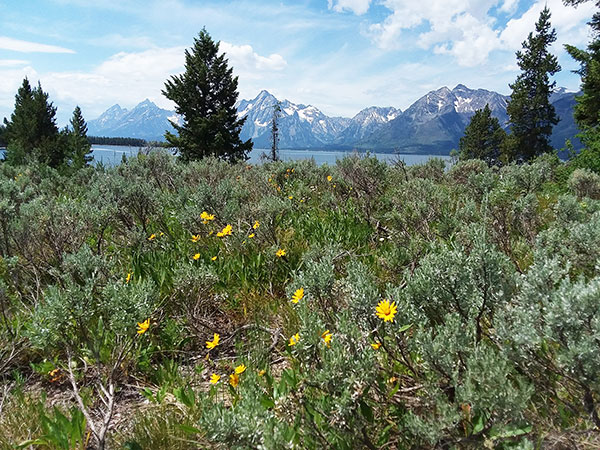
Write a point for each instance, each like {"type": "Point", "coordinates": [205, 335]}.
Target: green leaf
{"type": "Point", "coordinates": [404, 328]}
{"type": "Point", "coordinates": [478, 424]}
{"type": "Point", "coordinates": [267, 402]}
{"type": "Point", "coordinates": [366, 411]}
{"type": "Point", "coordinates": [189, 429]}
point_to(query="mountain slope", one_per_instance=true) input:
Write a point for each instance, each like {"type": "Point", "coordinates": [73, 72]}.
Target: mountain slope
{"type": "Point", "coordinates": [432, 124]}
{"type": "Point", "coordinates": [300, 126]}
{"type": "Point", "coordinates": [436, 122]}
{"type": "Point", "coordinates": [145, 121]}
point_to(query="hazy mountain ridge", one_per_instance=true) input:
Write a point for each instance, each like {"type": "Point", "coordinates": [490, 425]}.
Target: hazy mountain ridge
{"type": "Point", "coordinates": [145, 121]}
{"type": "Point", "coordinates": [432, 124]}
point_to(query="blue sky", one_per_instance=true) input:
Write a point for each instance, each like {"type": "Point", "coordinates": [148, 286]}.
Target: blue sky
{"type": "Point", "coordinates": [338, 55]}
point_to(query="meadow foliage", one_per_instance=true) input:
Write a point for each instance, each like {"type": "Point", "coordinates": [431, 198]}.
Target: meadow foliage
{"type": "Point", "coordinates": [288, 305]}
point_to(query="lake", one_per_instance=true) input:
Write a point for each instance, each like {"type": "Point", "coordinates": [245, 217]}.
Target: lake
{"type": "Point", "coordinates": [113, 154]}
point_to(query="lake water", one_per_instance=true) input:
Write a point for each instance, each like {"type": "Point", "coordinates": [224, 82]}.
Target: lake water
{"type": "Point", "coordinates": [113, 154]}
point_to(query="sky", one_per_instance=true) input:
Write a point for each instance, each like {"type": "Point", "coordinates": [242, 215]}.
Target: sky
{"type": "Point", "coordinates": [338, 55]}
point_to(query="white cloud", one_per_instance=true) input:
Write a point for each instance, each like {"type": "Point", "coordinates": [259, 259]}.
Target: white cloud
{"type": "Point", "coordinates": [129, 77]}
{"type": "Point", "coordinates": [358, 7]}
{"type": "Point", "coordinates": [568, 21]}
{"type": "Point", "coordinates": [12, 62]}
{"type": "Point", "coordinates": [509, 6]}
{"type": "Point", "coordinates": [461, 28]}
{"type": "Point", "coordinates": [17, 45]}
{"type": "Point", "coordinates": [467, 30]}
{"type": "Point", "coordinates": [243, 57]}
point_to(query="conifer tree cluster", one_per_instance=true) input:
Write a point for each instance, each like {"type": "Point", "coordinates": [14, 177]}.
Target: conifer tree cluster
{"type": "Point", "coordinates": [531, 115]}
{"type": "Point", "coordinates": [205, 96]}
{"type": "Point", "coordinates": [32, 135]}
{"type": "Point", "coordinates": [484, 138]}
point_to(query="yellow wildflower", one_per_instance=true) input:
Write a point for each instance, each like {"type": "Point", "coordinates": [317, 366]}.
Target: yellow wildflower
{"type": "Point", "coordinates": [143, 326]}
{"type": "Point", "coordinates": [206, 217]}
{"type": "Point", "coordinates": [214, 258]}
{"type": "Point", "coordinates": [212, 344]}
{"type": "Point", "coordinates": [214, 379]}
{"type": "Point", "coordinates": [280, 253]}
{"type": "Point", "coordinates": [256, 224]}
{"type": "Point", "coordinates": [329, 178]}
{"type": "Point", "coordinates": [240, 369]}
{"type": "Point", "coordinates": [251, 235]}
{"type": "Point", "coordinates": [55, 375]}
{"type": "Point", "coordinates": [225, 231]}
{"type": "Point", "coordinates": [326, 336]}
{"type": "Point", "coordinates": [128, 277]}
{"type": "Point", "coordinates": [234, 379]}
{"type": "Point", "coordinates": [196, 257]}
{"type": "Point", "coordinates": [261, 373]}
{"type": "Point", "coordinates": [386, 311]}
{"type": "Point", "coordinates": [294, 340]}
{"type": "Point", "coordinates": [291, 197]}
{"type": "Point", "coordinates": [298, 295]}
{"type": "Point", "coordinates": [376, 345]}
{"type": "Point", "coordinates": [152, 237]}
{"type": "Point", "coordinates": [195, 238]}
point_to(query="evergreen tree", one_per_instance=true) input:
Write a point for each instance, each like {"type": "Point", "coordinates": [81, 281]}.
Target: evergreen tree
{"type": "Point", "coordinates": [531, 115]}
{"type": "Point", "coordinates": [2, 135]}
{"type": "Point", "coordinates": [80, 148]}
{"type": "Point", "coordinates": [483, 139]}
{"type": "Point", "coordinates": [587, 109]}
{"type": "Point", "coordinates": [205, 96]}
{"type": "Point", "coordinates": [275, 133]}
{"type": "Point", "coordinates": [32, 133]}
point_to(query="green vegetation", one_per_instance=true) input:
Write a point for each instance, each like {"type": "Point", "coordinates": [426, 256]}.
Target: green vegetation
{"type": "Point", "coordinates": [530, 113]}
{"type": "Point", "coordinates": [205, 96]}
{"type": "Point", "coordinates": [484, 138]}
{"type": "Point", "coordinates": [209, 305]}
{"type": "Point", "coordinates": [32, 136]}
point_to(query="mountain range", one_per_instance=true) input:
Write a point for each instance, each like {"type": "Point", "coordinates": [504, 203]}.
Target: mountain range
{"type": "Point", "coordinates": [433, 124]}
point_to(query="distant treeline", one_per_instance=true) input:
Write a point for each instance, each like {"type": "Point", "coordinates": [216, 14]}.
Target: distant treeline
{"type": "Point", "coordinates": [103, 140]}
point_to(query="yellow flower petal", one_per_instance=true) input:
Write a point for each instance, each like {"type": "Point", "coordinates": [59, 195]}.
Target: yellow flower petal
{"type": "Point", "coordinates": [240, 369]}
{"type": "Point", "coordinates": [143, 326]}
{"type": "Point", "coordinates": [298, 295]}
{"type": "Point", "coordinates": [326, 336]}
{"type": "Point", "coordinates": [212, 344]}
{"type": "Point", "coordinates": [196, 256]}
{"type": "Point", "coordinates": [214, 379]}
{"type": "Point", "coordinates": [294, 340]}
{"type": "Point", "coordinates": [386, 310]}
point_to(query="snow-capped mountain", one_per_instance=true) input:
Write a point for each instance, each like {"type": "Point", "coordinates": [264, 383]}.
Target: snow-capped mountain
{"type": "Point", "coordinates": [300, 126]}
{"type": "Point", "coordinates": [145, 121]}
{"type": "Point", "coordinates": [432, 124]}
{"type": "Point", "coordinates": [365, 123]}
{"type": "Point", "coordinates": [436, 122]}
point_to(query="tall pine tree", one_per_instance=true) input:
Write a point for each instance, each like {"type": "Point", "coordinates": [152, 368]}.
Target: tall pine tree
{"type": "Point", "coordinates": [484, 138]}
{"type": "Point", "coordinates": [530, 113]}
{"type": "Point", "coordinates": [205, 96]}
{"type": "Point", "coordinates": [80, 148]}
{"type": "Point", "coordinates": [32, 133]}
{"type": "Point", "coordinates": [587, 109]}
